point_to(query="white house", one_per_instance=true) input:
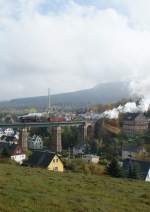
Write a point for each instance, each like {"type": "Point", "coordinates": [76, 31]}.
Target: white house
{"type": "Point", "coordinates": [18, 155]}
{"type": "Point", "coordinates": [14, 151]}
{"type": "Point", "coordinates": [91, 158]}
{"type": "Point", "coordinates": [8, 131]}
{"type": "Point", "coordinates": [35, 143]}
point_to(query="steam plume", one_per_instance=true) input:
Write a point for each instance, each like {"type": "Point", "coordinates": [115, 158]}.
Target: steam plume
{"type": "Point", "coordinates": [130, 107]}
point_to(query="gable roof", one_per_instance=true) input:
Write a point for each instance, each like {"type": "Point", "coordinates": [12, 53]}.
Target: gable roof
{"type": "Point", "coordinates": [8, 148]}
{"type": "Point", "coordinates": [40, 158]}
{"type": "Point", "coordinates": [143, 165]}
{"type": "Point", "coordinates": [10, 138]}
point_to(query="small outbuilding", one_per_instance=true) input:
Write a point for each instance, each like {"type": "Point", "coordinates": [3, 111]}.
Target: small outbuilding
{"type": "Point", "coordinates": [91, 158]}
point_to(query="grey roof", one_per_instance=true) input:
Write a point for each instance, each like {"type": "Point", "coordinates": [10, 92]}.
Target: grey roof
{"type": "Point", "coordinates": [9, 148]}
{"type": "Point", "coordinates": [10, 138]}
{"type": "Point", "coordinates": [143, 165]}
{"type": "Point", "coordinates": [40, 158]}
{"type": "Point", "coordinates": [130, 116]}
{"type": "Point", "coordinates": [132, 148]}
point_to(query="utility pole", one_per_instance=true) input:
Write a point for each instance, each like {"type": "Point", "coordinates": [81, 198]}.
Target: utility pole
{"type": "Point", "coordinates": [49, 102]}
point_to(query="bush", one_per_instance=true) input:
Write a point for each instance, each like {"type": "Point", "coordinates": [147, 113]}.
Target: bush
{"type": "Point", "coordinates": [114, 169]}
{"type": "Point", "coordinates": [76, 165]}
{"type": "Point", "coordinates": [96, 169]}
{"type": "Point", "coordinates": [81, 167]}
{"type": "Point", "coordinates": [103, 162]}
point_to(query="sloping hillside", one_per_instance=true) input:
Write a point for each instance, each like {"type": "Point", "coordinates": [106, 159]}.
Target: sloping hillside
{"type": "Point", "coordinates": [29, 189]}
{"type": "Point", "coordinates": [101, 94]}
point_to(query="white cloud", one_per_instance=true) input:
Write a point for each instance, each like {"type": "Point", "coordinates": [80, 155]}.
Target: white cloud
{"type": "Point", "coordinates": [76, 48]}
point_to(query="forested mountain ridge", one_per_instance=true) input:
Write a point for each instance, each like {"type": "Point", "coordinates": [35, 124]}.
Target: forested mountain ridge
{"type": "Point", "coordinates": [101, 94]}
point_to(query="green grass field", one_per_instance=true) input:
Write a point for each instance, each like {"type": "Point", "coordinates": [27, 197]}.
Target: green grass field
{"type": "Point", "coordinates": [29, 189]}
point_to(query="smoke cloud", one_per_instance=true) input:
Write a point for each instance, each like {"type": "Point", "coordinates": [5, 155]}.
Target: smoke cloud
{"type": "Point", "coordinates": [130, 107]}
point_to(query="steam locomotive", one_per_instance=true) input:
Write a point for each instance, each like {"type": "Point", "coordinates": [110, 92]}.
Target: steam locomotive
{"type": "Point", "coordinates": [37, 117]}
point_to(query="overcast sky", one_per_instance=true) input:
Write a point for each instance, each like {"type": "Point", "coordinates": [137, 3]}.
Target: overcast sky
{"type": "Point", "coordinates": [71, 45]}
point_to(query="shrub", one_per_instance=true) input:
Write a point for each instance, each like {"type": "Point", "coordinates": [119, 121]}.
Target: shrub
{"type": "Point", "coordinates": [114, 169]}
{"type": "Point", "coordinates": [96, 169]}
{"type": "Point", "coordinates": [80, 166]}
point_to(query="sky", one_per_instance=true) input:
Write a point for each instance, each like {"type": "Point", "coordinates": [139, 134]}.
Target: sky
{"type": "Point", "coordinates": [69, 45]}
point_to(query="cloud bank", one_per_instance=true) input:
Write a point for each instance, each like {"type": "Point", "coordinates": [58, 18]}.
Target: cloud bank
{"type": "Point", "coordinates": [71, 45]}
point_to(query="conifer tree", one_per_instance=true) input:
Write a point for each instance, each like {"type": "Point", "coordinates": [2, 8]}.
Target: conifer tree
{"type": "Point", "coordinates": [114, 169]}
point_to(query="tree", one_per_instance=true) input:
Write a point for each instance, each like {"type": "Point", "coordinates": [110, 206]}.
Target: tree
{"type": "Point", "coordinates": [114, 169]}
{"type": "Point", "coordinates": [94, 146]}
{"type": "Point", "coordinates": [70, 137]}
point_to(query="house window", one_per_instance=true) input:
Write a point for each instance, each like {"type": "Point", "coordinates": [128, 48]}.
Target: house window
{"type": "Point", "coordinates": [54, 160]}
{"type": "Point", "coordinates": [57, 160]}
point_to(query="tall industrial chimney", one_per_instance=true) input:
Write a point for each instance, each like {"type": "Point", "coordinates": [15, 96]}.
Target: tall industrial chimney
{"type": "Point", "coordinates": [49, 101]}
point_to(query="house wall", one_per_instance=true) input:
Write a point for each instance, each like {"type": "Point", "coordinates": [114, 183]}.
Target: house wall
{"type": "Point", "coordinates": [91, 159]}
{"type": "Point", "coordinates": [138, 126]}
{"type": "Point", "coordinates": [148, 177]}
{"type": "Point", "coordinates": [56, 165]}
{"type": "Point", "coordinates": [95, 160]}
{"type": "Point", "coordinates": [18, 158]}
{"type": "Point", "coordinates": [128, 154]}
{"type": "Point", "coordinates": [35, 144]}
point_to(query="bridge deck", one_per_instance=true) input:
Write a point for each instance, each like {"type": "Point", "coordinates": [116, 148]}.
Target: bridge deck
{"type": "Point", "coordinates": [42, 124]}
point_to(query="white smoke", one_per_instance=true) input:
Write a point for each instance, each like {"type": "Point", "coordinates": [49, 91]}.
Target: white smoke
{"type": "Point", "coordinates": [111, 114]}
{"type": "Point", "coordinates": [130, 107]}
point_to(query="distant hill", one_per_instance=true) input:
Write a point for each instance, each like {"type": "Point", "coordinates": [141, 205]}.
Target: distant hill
{"type": "Point", "coordinates": [101, 94]}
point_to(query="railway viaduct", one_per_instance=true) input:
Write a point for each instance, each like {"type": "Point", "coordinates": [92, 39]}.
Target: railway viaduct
{"type": "Point", "coordinates": [85, 128]}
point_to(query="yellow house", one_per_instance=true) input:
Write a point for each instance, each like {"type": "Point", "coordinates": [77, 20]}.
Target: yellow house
{"type": "Point", "coordinates": [46, 159]}
{"type": "Point", "coordinates": [56, 164]}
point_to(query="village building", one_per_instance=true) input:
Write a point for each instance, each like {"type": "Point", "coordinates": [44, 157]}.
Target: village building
{"type": "Point", "coordinates": [90, 158]}
{"type": "Point", "coordinates": [35, 143]}
{"type": "Point", "coordinates": [79, 149]}
{"type": "Point", "coordinates": [9, 139]}
{"type": "Point", "coordinates": [1, 133]}
{"type": "Point", "coordinates": [16, 135]}
{"type": "Point", "coordinates": [13, 151]}
{"type": "Point", "coordinates": [134, 124]}
{"type": "Point", "coordinates": [144, 168]}
{"type": "Point", "coordinates": [45, 159]}
{"type": "Point", "coordinates": [133, 151]}
{"type": "Point", "coordinates": [9, 132]}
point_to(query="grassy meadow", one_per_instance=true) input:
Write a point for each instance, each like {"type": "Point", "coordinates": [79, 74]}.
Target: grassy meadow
{"type": "Point", "coordinates": [24, 189]}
